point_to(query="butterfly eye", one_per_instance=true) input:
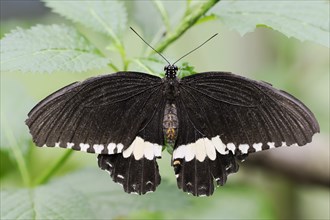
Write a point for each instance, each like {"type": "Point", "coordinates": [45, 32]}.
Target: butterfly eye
{"type": "Point", "coordinates": [165, 68]}
{"type": "Point", "coordinates": [176, 68]}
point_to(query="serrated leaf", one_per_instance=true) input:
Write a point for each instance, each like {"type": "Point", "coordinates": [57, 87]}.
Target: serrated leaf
{"type": "Point", "coordinates": [304, 20]}
{"type": "Point", "coordinates": [108, 17]}
{"type": "Point", "coordinates": [86, 194]}
{"type": "Point", "coordinates": [48, 48]}
{"type": "Point", "coordinates": [45, 202]}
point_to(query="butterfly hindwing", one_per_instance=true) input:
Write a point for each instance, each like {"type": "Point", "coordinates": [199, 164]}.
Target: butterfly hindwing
{"type": "Point", "coordinates": [99, 115]}
{"type": "Point", "coordinates": [199, 162]}
{"type": "Point", "coordinates": [136, 176]}
{"type": "Point", "coordinates": [136, 168]}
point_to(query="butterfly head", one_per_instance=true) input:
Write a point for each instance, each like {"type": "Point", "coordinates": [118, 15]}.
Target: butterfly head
{"type": "Point", "coordinates": [170, 71]}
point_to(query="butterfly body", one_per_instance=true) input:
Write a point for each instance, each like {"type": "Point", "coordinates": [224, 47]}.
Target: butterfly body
{"type": "Point", "coordinates": [170, 123]}
{"type": "Point", "coordinates": [211, 119]}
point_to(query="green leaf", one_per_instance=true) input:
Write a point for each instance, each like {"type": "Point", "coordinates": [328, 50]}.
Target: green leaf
{"type": "Point", "coordinates": [160, 7]}
{"type": "Point", "coordinates": [45, 202]}
{"type": "Point", "coordinates": [152, 65]}
{"type": "Point", "coordinates": [304, 20]}
{"type": "Point", "coordinates": [87, 194]}
{"type": "Point", "coordinates": [207, 18]}
{"type": "Point", "coordinates": [48, 49]}
{"type": "Point", "coordinates": [15, 104]}
{"type": "Point", "coordinates": [108, 17]}
{"type": "Point", "coordinates": [186, 70]}
{"type": "Point", "coordinates": [228, 202]}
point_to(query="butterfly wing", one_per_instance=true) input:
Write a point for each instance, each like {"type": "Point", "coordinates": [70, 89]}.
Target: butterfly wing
{"type": "Point", "coordinates": [223, 116]}
{"type": "Point", "coordinates": [104, 110]}
{"type": "Point", "coordinates": [108, 115]}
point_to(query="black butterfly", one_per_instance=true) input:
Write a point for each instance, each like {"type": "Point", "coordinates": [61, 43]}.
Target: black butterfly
{"type": "Point", "coordinates": [211, 119]}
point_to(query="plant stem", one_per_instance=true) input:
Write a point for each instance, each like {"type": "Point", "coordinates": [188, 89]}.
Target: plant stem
{"type": "Point", "coordinates": [160, 7]}
{"type": "Point", "coordinates": [188, 21]}
{"type": "Point", "coordinates": [58, 164]}
{"type": "Point", "coordinates": [116, 41]}
{"type": "Point", "coordinates": [113, 66]}
{"type": "Point", "coordinates": [17, 152]}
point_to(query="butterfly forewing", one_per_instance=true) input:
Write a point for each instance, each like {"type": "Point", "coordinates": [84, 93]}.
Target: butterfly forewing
{"type": "Point", "coordinates": [246, 115]}
{"type": "Point", "coordinates": [102, 114]}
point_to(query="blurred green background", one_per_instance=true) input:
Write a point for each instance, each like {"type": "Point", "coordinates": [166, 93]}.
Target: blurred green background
{"type": "Point", "coordinates": [287, 183]}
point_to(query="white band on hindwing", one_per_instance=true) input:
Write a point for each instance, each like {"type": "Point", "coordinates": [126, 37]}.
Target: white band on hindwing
{"type": "Point", "coordinates": [205, 147]}
{"type": "Point", "coordinates": [141, 148]}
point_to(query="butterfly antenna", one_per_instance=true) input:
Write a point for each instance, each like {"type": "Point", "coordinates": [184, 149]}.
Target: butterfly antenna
{"type": "Point", "coordinates": [195, 48]}
{"type": "Point", "coordinates": [150, 46]}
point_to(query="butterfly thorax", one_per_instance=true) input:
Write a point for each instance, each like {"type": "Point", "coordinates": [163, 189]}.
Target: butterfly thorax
{"type": "Point", "coordinates": [170, 71]}
{"type": "Point", "coordinates": [171, 82]}
{"type": "Point", "coordinates": [170, 123]}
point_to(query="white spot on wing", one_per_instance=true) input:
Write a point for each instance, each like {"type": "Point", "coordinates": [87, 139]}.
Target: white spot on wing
{"type": "Point", "coordinates": [157, 150]}
{"type": "Point", "coordinates": [149, 182]}
{"type": "Point", "coordinates": [69, 145]}
{"type": "Point", "coordinates": [127, 153]}
{"type": "Point", "coordinates": [257, 147]}
{"type": "Point", "coordinates": [227, 168]}
{"type": "Point", "coordinates": [190, 152]}
{"type": "Point", "coordinates": [221, 147]}
{"type": "Point", "coordinates": [231, 147]}
{"type": "Point", "coordinates": [83, 147]}
{"type": "Point", "coordinates": [244, 148]}
{"type": "Point", "coordinates": [271, 144]}
{"type": "Point", "coordinates": [111, 147]}
{"type": "Point", "coordinates": [179, 152]}
{"type": "Point", "coordinates": [120, 176]}
{"type": "Point", "coordinates": [149, 150]}
{"type": "Point", "coordinates": [200, 149]}
{"type": "Point", "coordinates": [120, 148]}
{"type": "Point", "coordinates": [138, 148]}
{"type": "Point", "coordinates": [98, 148]}
{"type": "Point", "coordinates": [57, 144]}
{"type": "Point", "coordinates": [203, 148]}
{"type": "Point", "coordinates": [210, 149]}
{"type": "Point", "coordinates": [108, 163]}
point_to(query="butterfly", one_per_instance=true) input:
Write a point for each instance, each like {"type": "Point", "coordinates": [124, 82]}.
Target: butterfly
{"type": "Point", "coordinates": [211, 120]}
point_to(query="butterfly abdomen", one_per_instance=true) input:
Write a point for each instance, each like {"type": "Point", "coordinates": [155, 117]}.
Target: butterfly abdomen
{"type": "Point", "coordinates": [170, 123]}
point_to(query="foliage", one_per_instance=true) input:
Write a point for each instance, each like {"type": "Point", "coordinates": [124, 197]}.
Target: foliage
{"type": "Point", "coordinates": [307, 20]}
{"type": "Point", "coordinates": [63, 48]}
{"type": "Point", "coordinates": [48, 49]}
{"type": "Point", "coordinates": [68, 48]}
{"type": "Point", "coordinates": [67, 198]}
